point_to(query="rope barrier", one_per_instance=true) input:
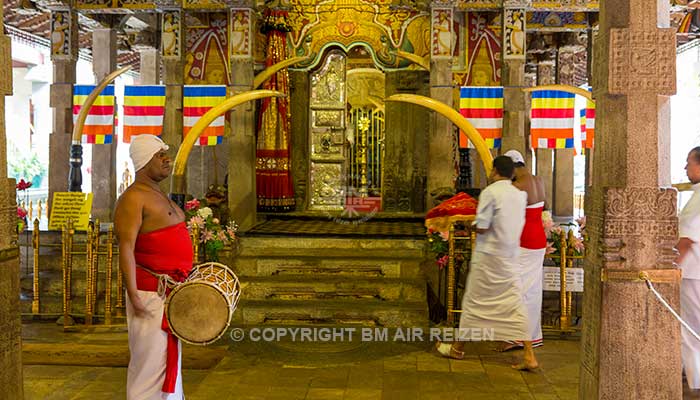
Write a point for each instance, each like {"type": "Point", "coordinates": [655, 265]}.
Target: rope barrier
{"type": "Point", "coordinates": [663, 301]}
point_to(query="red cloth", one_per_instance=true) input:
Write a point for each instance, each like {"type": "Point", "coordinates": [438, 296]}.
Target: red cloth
{"type": "Point", "coordinates": [164, 251]}
{"type": "Point", "coordinates": [460, 204]}
{"type": "Point", "coordinates": [533, 236]}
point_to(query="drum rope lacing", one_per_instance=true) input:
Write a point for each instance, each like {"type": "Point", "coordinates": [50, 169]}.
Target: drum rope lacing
{"type": "Point", "coordinates": [165, 281]}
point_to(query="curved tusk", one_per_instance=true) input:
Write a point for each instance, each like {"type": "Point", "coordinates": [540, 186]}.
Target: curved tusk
{"type": "Point", "coordinates": [683, 187]}
{"type": "Point", "coordinates": [85, 108]}
{"type": "Point", "coordinates": [273, 69]}
{"type": "Point", "coordinates": [183, 153]}
{"type": "Point", "coordinates": [563, 88]}
{"type": "Point", "coordinates": [420, 61]}
{"type": "Point", "coordinates": [456, 118]}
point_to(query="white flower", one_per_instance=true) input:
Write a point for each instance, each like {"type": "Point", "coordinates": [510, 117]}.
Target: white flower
{"type": "Point", "coordinates": [204, 212]}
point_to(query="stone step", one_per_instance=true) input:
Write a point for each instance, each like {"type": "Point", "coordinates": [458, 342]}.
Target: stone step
{"type": "Point", "coordinates": [322, 268]}
{"type": "Point", "coordinates": [362, 248]}
{"type": "Point", "coordinates": [332, 288]}
{"type": "Point", "coordinates": [338, 312]}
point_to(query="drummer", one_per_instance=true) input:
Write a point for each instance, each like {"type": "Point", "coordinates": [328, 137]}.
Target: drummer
{"type": "Point", "coordinates": [154, 245]}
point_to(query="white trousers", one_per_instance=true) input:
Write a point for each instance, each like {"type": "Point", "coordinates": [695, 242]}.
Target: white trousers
{"type": "Point", "coordinates": [148, 345]}
{"type": "Point", "coordinates": [530, 263]}
{"type": "Point", "coordinates": [690, 346]}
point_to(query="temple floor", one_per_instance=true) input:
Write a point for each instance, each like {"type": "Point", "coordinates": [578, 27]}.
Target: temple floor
{"type": "Point", "coordinates": [351, 370]}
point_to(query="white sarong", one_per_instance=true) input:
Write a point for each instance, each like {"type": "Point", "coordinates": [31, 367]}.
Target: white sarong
{"type": "Point", "coordinates": [148, 345]}
{"type": "Point", "coordinates": [690, 346]}
{"type": "Point", "coordinates": [492, 302]}
{"type": "Point", "coordinates": [530, 263]}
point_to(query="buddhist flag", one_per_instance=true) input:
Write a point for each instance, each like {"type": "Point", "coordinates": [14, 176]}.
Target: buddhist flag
{"type": "Point", "coordinates": [590, 124]}
{"type": "Point", "coordinates": [483, 108]}
{"type": "Point", "coordinates": [583, 128]}
{"type": "Point", "coordinates": [99, 124]}
{"type": "Point", "coordinates": [197, 101]}
{"type": "Point", "coordinates": [552, 119]}
{"type": "Point", "coordinates": [144, 107]}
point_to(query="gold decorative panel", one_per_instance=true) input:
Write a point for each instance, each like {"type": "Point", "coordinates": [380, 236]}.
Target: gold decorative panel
{"type": "Point", "coordinates": [171, 34]}
{"type": "Point", "coordinates": [328, 84]}
{"type": "Point", "coordinates": [328, 118]}
{"type": "Point", "coordinates": [327, 185]}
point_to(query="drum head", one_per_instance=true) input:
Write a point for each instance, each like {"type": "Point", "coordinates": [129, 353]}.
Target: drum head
{"type": "Point", "coordinates": [198, 313]}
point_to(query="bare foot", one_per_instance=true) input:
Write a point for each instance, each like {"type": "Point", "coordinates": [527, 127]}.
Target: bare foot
{"type": "Point", "coordinates": [526, 366]}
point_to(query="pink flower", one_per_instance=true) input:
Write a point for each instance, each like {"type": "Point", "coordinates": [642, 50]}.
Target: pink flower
{"type": "Point", "coordinates": [231, 233]}
{"type": "Point", "coordinates": [192, 205]}
{"type": "Point", "coordinates": [581, 223]}
{"type": "Point", "coordinates": [196, 221]}
{"type": "Point", "coordinates": [445, 235]}
{"type": "Point", "coordinates": [443, 261]}
{"type": "Point", "coordinates": [550, 248]}
{"type": "Point", "coordinates": [578, 245]}
{"type": "Point", "coordinates": [556, 230]}
{"type": "Point", "coordinates": [207, 235]}
{"type": "Point", "coordinates": [221, 235]}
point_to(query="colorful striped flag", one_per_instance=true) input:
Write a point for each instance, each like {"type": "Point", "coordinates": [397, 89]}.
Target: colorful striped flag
{"type": "Point", "coordinates": [583, 128]}
{"type": "Point", "coordinates": [483, 108]}
{"type": "Point", "coordinates": [552, 119]}
{"type": "Point", "coordinates": [144, 107]}
{"type": "Point", "coordinates": [99, 124]}
{"type": "Point", "coordinates": [590, 124]}
{"type": "Point", "coordinates": [197, 101]}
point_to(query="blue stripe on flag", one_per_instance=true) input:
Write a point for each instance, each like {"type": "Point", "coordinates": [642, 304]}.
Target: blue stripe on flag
{"type": "Point", "coordinates": [144, 90]}
{"type": "Point", "coordinates": [469, 92]}
{"type": "Point", "coordinates": [85, 90]}
{"type": "Point", "coordinates": [583, 113]}
{"type": "Point", "coordinates": [204, 91]}
{"type": "Point", "coordinates": [552, 94]}
{"type": "Point", "coordinates": [569, 143]}
{"type": "Point", "coordinates": [497, 143]}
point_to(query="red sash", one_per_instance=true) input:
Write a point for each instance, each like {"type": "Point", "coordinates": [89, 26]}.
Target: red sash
{"type": "Point", "coordinates": [533, 236]}
{"type": "Point", "coordinates": [164, 251]}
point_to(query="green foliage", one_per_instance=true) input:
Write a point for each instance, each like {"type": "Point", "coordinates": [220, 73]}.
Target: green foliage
{"type": "Point", "coordinates": [28, 167]}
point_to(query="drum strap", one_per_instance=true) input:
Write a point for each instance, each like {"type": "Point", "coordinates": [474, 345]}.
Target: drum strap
{"type": "Point", "coordinates": [165, 281]}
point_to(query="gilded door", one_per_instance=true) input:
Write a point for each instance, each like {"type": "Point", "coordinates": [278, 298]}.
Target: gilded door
{"type": "Point", "coordinates": [328, 113]}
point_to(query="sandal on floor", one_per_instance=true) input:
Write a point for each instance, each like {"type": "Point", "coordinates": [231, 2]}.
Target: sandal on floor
{"type": "Point", "coordinates": [446, 350]}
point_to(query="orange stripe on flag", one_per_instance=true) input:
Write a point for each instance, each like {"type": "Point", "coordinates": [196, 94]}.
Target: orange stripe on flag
{"type": "Point", "coordinates": [551, 133]}
{"type": "Point", "coordinates": [97, 129]}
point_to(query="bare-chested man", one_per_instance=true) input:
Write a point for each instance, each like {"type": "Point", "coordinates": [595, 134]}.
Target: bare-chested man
{"type": "Point", "coordinates": [533, 244]}
{"type": "Point", "coordinates": [153, 241]}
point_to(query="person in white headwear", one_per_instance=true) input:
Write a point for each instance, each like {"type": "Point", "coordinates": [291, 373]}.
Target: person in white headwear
{"type": "Point", "coordinates": [153, 240]}
{"type": "Point", "coordinates": [689, 261]}
{"type": "Point", "coordinates": [533, 245]}
{"type": "Point", "coordinates": [492, 305]}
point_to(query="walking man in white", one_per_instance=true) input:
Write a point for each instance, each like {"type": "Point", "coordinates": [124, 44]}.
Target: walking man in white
{"type": "Point", "coordinates": [493, 299]}
{"type": "Point", "coordinates": [689, 261]}
{"type": "Point", "coordinates": [533, 244]}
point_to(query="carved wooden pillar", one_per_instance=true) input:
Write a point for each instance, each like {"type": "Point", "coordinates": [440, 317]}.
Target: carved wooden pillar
{"type": "Point", "coordinates": [10, 322]}
{"type": "Point", "coordinates": [171, 51]}
{"type": "Point", "coordinates": [104, 156]}
{"type": "Point", "coordinates": [545, 157]}
{"type": "Point", "coordinates": [64, 55]}
{"type": "Point", "coordinates": [513, 77]}
{"type": "Point", "coordinates": [563, 190]}
{"type": "Point", "coordinates": [241, 165]}
{"type": "Point", "coordinates": [631, 344]}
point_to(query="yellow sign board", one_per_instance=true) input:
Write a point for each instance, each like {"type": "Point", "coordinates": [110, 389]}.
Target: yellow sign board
{"type": "Point", "coordinates": [70, 205]}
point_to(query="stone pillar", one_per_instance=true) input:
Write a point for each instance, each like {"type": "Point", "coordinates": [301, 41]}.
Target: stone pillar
{"type": "Point", "coordinates": [64, 55]}
{"type": "Point", "coordinates": [299, 107]}
{"type": "Point", "coordinates": [242, 198]}
{"type": "Point", "coordinates": [173, 79]}
{"type": "Point", "coordinates": [10, 322]}
{"type": "Point", "coordinates": [61, 100]}
{"type": "Point", "coordinates": [513, 78]}
{"type": "Point", "coordinates": [150, 67]}
{"type": "Point", "coordinates": [545, 157]}
{"type": "Point", "coordinates": [630, 347]}
{"type": "Point", "coordinates": [563, 196]}
{"type": "Point", "coordinates": [441, 156]}
{"type": "Point", "coordinates": [104, 156]}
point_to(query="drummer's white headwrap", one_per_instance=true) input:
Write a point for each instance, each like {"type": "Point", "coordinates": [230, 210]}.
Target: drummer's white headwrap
{"type": "Point", "coordinates": [143, 148]}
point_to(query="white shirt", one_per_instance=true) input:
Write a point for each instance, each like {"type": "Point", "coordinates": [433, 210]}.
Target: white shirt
{"type": "Point", "coordinates": [689, 227]}
{"type": "Point", "coordinates": [502, 211]}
